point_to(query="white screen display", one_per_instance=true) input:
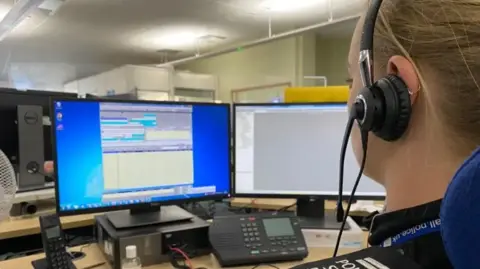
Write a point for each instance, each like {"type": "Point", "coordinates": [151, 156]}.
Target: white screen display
{"type": "Point", "coordinates": [294, 150]}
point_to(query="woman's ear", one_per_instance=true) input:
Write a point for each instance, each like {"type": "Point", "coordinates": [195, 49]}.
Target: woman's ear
{"type": "Point", "coordinates": [404, 69]}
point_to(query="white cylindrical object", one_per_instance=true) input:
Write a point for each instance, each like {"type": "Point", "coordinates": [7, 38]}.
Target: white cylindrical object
{"type": "Point", "coordinates": [131, 252]}
{"type": "Point", "coordinates": [108, 248]}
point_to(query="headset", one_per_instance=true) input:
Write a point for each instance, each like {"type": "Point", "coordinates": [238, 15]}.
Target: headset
{"type": "Point", "coordinates": [382, 107]}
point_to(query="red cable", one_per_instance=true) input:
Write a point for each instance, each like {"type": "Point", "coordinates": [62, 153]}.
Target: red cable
{"type": "Point", "coordinates": [185, 256]}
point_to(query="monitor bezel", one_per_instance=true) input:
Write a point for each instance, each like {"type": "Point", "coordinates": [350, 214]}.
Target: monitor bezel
{"type": "Point", "coordinates": [285, 196]}
{"type": "Point", "coordinates": [145, 205]}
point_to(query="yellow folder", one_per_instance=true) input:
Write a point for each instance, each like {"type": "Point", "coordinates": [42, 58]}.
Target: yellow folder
{"type": "Point", "coordinates": [316, 94]}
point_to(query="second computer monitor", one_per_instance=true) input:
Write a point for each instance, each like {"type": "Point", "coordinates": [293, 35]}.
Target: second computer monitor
{"type": "Point", "coordinates": [293, 150]}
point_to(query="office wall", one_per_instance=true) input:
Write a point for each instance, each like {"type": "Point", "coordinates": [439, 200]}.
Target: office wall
{"type": "Point", "coordinates": [306, 52]}
{"type": "Point", "coordinates": [279, 61]}
{"type": "Point", "coordinates": [332, 59]}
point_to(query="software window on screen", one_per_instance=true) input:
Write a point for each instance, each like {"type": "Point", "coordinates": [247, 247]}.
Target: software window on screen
{"type": "Point", "coordinates": [293, 149]}
{"type": "Point", "coordinates": [146, 146]}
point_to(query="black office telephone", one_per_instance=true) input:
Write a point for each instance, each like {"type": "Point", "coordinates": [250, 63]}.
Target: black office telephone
{"type": "Point", "coordinates": [257, 238]}
{"type": "Point", "coordinates": [54, 245]}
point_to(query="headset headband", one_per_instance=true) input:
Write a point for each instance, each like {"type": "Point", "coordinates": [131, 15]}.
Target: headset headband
{"type": "Point", "coordinates": [366, 43]}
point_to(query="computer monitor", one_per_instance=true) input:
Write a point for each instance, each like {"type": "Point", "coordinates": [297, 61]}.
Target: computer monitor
{"type": "Point", "coordinates": [139, 155]}
{"type": "Point", "coordinates": [25, 138]}
{"type": "Point", "coordinates": [293, 151]}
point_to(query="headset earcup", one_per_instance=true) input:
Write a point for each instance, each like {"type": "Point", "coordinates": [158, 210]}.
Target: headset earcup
{"type": "Point", "coordinates": [398, 108]}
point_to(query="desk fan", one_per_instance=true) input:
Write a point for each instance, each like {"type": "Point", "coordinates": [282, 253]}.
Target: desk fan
{"type": "Point", "coordinates": [8, 186]}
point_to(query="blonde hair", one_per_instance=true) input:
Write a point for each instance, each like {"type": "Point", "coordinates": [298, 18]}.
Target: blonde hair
{"type": "Point", "coordinates": [442, 36]}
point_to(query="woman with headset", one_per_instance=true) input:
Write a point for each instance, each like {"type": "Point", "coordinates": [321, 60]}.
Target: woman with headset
{"type": "Point", "coordinates": [416, 93]}
{"type": "Point", "coordinates": [414, 71]}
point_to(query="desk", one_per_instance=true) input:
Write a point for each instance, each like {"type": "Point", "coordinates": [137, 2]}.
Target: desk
{"type": "Point", "coordinates": [275, 204]}
{"type": "Point", "coordinates": [29, 225]}
{"type": "Point", "coordinates": [270, 204]}
{"type": "Point", "coordinates": [16, 227]}
{"type": "Point", "coordinates": [94, 256]}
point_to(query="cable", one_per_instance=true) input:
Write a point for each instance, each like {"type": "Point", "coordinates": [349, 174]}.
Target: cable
{"type": "Point", "coordinates": [364, 137]}
{"type": "Point", "coordinates": [85, 246]}
{"type": "Point", "coordinates": [94, 265]}
{"type": "Point", "coordinates": [36, 170]}
{"type": "Point", "coordinates": [348, 129]}
{"type": "Point", "coordinates": [285, 208]}
{"type": "Point", "coordinates": [249, 207]}
{"type": "Point", "coordinates": [355, 111]}
{"type": "Point", "coordinates": [10, 255]}
{"type": "Point", "coordinates": [46, 175]}
{"type": "Point", "coordinates": [209, 212]}
{"type": "Point", "coordinates": [184, 255]}
{"type": "Point", "coordinates": [269, 265]}
{"type": "Point", "coordinates": [86, 243]}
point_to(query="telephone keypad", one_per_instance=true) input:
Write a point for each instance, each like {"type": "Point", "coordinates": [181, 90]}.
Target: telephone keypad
{"type": "Point", "coordinates": [259, 245]}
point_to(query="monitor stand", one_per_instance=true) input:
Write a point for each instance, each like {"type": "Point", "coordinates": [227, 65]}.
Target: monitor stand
{"type": "Point", "coordinates": [147, 216]}
{"type": "Point", "coordinates": [312, 215]}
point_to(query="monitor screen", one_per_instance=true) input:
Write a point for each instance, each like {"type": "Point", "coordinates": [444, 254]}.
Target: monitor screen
{"type": "Point", "coordinates": [114, 154]}
{"type": "Point", "coordinates": [294, 150]}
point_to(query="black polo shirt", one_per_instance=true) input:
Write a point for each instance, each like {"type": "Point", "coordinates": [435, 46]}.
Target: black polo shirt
{"type": "Point", "coordinates": [393, 243]}
{"type": "Point", "coordinates": [426, 250]}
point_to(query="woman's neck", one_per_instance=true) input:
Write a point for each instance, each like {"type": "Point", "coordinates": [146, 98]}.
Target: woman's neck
{"type": "Point", "coordinates": [417, 184]}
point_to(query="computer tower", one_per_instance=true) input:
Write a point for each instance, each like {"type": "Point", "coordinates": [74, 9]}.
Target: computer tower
{"type": "Point", "coordinates": [30, 148]}
{"type": "Point", "coordinates": [152, 241]}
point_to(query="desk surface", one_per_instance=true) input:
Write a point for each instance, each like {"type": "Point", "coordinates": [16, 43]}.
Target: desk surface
{"type": "Point", "coordinates": [274, 204]}
{"type": "Point", "coordinates": [95, 257]}
{"type": "Point", "coordinates": [29, 225]}
{"type": "Point", "coordinates": [16, 227]}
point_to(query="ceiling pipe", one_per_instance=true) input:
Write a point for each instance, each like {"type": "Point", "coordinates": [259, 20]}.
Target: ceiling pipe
{"type": "Point", "coordinates": [330, 10]}
{"type": "Point", "coordinates": [324, 78]}
{"type": "Point", "coordinates": [260, 41]}
{"type": "Point", "coordinates": [269, 26]}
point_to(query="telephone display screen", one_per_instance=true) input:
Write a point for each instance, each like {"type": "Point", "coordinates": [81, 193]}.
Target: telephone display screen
{"type": "Point", "coordinates": [53, 232]}
{"type": "Point", "coordinates": [278, 227]}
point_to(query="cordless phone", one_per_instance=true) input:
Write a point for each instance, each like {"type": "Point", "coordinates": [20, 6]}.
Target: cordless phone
{"type": "Point", "coordinates": [54, 245]}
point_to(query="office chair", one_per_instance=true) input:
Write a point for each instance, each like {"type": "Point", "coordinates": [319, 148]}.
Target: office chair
{"type": "Point", "coordinates": [460, 215]}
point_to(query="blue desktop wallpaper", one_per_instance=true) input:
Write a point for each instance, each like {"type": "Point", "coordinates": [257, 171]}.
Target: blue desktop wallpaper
{"type": "Point", "coordinates": [79, 151]}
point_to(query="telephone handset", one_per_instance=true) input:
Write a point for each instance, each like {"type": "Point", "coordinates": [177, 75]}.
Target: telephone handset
{"type": "Point", "coordinates": [54, 245]}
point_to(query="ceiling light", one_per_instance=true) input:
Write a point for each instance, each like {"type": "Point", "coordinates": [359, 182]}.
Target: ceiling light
{"type": "Point", "coordinates": [21, 24]}
{"type": "Point", "coordinates": [51, 6]}
{"type": "Point", "coordinates": [178, 40]}
{"type": "Point", "coordinates": [20, 10]}
{"type": "Point", "coordinates": [211, 38]}
{"type": "Point", "coordinates": [289, 5]}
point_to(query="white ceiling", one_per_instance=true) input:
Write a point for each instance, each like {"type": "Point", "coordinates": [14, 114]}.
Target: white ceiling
{"type": "Point", "coordinates": [338, 30]}
{"type": "Point", "coordinates": [88, 36]}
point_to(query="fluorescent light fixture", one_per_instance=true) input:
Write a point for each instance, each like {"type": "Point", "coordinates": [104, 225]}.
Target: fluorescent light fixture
{"type": "Point", "coordinates": [19, 12]}
{"type": "Point", "coordinates": [51, 6]}
{"type": "Point", "coordinates": [289, 5]}
{"type": "Point", "coordinates": [21, 24]}
{"type": "Point", "coordinates": [178, 40]}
